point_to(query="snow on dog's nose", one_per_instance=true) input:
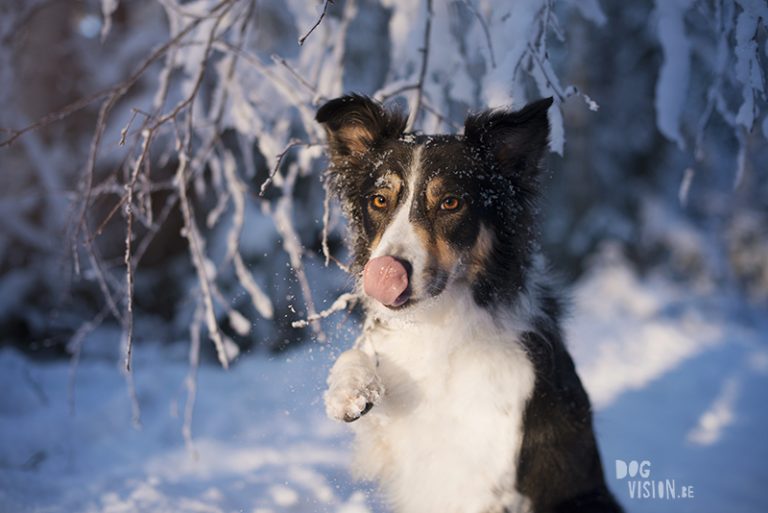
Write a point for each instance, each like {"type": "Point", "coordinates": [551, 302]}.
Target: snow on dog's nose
{"type": "Point", "coordinates": [385, 279]}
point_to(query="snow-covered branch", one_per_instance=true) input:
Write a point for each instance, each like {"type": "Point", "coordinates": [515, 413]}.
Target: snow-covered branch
{"type": "Point", "coordinates": [199, 120]}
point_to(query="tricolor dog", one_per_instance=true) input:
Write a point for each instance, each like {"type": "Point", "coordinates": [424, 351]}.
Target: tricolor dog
{"type": "Point", "coordinates": [460, 391]}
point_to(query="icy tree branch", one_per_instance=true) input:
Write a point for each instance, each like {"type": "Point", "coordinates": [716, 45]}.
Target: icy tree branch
{"type": "Point", "coordinates": [303, 38]}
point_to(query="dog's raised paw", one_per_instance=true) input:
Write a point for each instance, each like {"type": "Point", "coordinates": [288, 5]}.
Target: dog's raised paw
{"type": "Point", "coordinates": [353, 387]}
{"type": "Point", "coordinates": [348, 418]}
{"type": "Point", "coordinates": [350, 397]}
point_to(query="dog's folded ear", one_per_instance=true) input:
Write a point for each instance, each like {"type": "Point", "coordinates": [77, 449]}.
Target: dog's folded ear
{"type": "Point", "coordinates": [356, 123]}
{"type": "Point", "coordinates": [517, 140]}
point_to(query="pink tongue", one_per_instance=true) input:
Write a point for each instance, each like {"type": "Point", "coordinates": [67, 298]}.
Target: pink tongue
{"type": "Point", "coordinates": [385, 279]}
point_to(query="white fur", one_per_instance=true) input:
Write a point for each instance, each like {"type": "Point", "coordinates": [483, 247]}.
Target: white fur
{"type": "Point", "coordinates": [352, 384]}
{"type": "Point", "coordinates": [400, 237]}
{"type": "Point", "coordinates": [445, 435]}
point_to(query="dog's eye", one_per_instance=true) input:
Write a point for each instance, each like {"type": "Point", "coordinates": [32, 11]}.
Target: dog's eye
{"type": "Point", "coordinates": [378, 202]}
{"type": "Point", "coordinates": [450, 203]}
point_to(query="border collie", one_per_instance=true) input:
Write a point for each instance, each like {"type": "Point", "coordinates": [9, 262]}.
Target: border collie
{"type": "Point", "coordinates": [462, 394]}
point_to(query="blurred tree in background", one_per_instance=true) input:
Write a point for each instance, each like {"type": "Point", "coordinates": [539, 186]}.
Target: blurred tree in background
{"type": "Point", "coordinates": [162, 172]}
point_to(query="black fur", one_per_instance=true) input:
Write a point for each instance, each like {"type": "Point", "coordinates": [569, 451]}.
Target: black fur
{"type": "Point", "coordinates": [559, 466]}
{"type": "Point", "coordinates": [512, 144]}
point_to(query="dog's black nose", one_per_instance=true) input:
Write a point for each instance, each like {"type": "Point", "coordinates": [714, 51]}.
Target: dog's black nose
{"type": "Point", "coordinates": [408, 267]}
{"type": "Point", "coordinates": [406, 294]}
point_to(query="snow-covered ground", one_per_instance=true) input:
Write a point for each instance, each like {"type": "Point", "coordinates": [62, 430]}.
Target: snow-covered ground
{"type": "Point", "coordinates": [678, 380]}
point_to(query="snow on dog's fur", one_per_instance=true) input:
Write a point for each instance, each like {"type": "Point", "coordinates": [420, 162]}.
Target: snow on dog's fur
{"type": "Point", "coordinates": [462, 395]}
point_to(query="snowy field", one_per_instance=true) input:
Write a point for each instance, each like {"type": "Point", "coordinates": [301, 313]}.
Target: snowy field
{"type": "Point", "coordinates": [678, 380]}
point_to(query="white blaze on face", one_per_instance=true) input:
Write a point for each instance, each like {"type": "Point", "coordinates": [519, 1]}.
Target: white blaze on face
{"type": "Point", "coordinates": [400, 239]}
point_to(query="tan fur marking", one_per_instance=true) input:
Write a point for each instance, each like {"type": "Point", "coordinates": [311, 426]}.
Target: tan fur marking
{"type": "Point", "coordinates": [480, 251]}
{"type": "Point", "coordinates": [391, 185]}
{"type": "Point", "coordinates": [446, 257]}
{"type": "Point", "coordinates": [435, 190]}
{"type": "Point", "coordinates": [357, 137]}
{"type": "Point", "coordinates": [439, 250]}
{"type": "Point", "coordinates": [376, 240]}
{"type": "Point", "coordinates": [424, 236]}
{"type": "Point", "coordinates": [393, 182]}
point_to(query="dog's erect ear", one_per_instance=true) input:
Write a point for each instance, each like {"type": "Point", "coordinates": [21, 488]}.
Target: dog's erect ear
{"type": "Point", "coordinates": [355, 123]}
{"type": "Point", "coordinates": [516, 139]}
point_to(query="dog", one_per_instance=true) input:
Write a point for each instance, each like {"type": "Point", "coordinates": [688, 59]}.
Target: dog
{"type": "Point", "coordinates": [460, 391]}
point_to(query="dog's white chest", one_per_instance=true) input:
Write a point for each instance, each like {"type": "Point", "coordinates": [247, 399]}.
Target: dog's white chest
{"type": "Point", "coordinates": [446, 435]}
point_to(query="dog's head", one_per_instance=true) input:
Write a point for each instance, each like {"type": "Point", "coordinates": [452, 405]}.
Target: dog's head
{"type": "Point", "coordinates": [430, 212]}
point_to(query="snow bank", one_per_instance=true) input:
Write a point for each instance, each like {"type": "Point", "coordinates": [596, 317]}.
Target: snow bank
{"type": "Point", "coordinates": [261, 440]}
{"type": "Point", "coordinates": [677, 380]}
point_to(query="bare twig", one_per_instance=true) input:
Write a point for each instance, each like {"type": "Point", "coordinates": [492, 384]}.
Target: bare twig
{"type": "Point", "coordinates": [131, 386]}
{"type": "Point", "coordinates": [255, 62]}
{"type": "Point", "coordinates": [344, 301]}
{"type": "Point", "coordinates": [114, 94]}
{"type": "Point", "coordinates": [147, 137]}
{"type": "Point", "coordinates": [484, 25]}
{"type": "Point", "coordinates": [53, 116]}
{"type": "Point", "coordinates": [260, 300]}
{"type": "Point", "coordinates": [199, 262]}
{"type": "Point", "coordinates": [190, 228]}
{"type": "Point", "coordinates": [170, 204]}
{"type": "Point", "coordinates": [102, 282]}
{"type": "Point", "coordinates": [390, 91]}
{"type": "Point", "coordinates": [282, 86]}
{"type": "Point", "coordinates": [280, 156]}
{"type": "Point", "coordinates": [545, 71]}
{"type": "Point", "coordinates": [237, 190]}
{"type": "Point", "coordinates": [292, 244]}
{"type": "Point", "coordinates": [295, 74]}
{"type": "Point", "coordinates": [326, 222]}
{"type": "Point", "coordinates": [341, 265]}
{"type": "Point", "coordinates": [423, 71]}
{"type": "Point", "coordinates": [317, 23]}
{"type": "Point", "coordinates": [124, 131]}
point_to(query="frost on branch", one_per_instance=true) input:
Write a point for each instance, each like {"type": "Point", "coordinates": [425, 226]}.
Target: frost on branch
{"type": "Point", "coordinates": [734, 69]}
{"type": "Point", "coordinates": [183, 166]}
{"type": "Point", "coordinates": [212, 128]}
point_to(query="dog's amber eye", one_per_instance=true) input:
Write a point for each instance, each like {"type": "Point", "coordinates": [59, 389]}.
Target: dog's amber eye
{"type": "Point", "coordinates": [450, 203]}
{"type": "Point", "coordinates": [378, 202]}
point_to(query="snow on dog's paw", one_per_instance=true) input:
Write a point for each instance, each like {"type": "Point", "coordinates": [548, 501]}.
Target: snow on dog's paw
{"type": "Point", "coordinates": [353, 387]}
{"type": "Point", "coordinates": [349, 402]}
